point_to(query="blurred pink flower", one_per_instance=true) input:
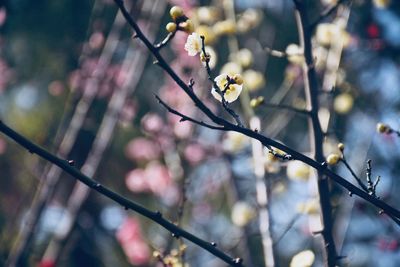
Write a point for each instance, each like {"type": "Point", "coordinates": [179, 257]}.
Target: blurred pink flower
{"type": "Point", "coordinates": [136, 181]}
{"type": "Point", "coordinates": [183, 130]}
{"type": "Point", "coordinates": [56, 88]}
{"type": "Point", "coordinates": [75, 79]}
{"type": "Point", "coordinates": [142, 149]}
{"type": "Point", "coordinates": [152, 123]}
{"type": "Point", "coordinates": [3, 15]}
{"type": "Point", "coordinates": [137, 252]}
{"type": "Point", "coordinates": [47, 263]}
{"type": "Point", "coordinates": [128, 112]}
{"type": "Point", "coordinates": [129, 229]}
{"type": "Point", "coordinates": [121, 76]}
{"type": "Point", "coordinates": [154, 178]}
{"type": "Point", "coordinates": [130, 237]}
{"type": "Point", "coordinates": [194, 153]}
{"type": "Point", "coordinates": [96, 40]}
{"type": "Point", "coordinates": [158, 178]}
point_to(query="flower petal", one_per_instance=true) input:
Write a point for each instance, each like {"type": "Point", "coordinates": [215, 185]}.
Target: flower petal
{"type": "Point", "coordinates": [233, 92]}
{"type": "Point", "coordinates": [216, 95]}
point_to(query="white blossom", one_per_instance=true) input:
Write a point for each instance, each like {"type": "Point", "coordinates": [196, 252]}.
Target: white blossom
{"type": "Point", "coordinates": [231, 93]}
{"type": "Point", "coordinates": [193, 44]}
{"type": "Point", "coordinates": [242, 213]}
{"type": "Point", "coordinates": [303, 259]}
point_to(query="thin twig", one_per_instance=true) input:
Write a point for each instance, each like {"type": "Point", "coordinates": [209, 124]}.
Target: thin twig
{"type": "Point", "coordinates": [362, 185]}
{"type": "Point", "coordinates": [371, 188]}
{"type": "Point", "coordinates": [124, 202]}
{"type": "Point", "coordinates": [275, 53]}
{"type": "Point", "coordinates": [287, 228]}
{"type": "Point", "coordinates": [165, 41]}
{"type": "Point", "coordinates": [187, 118]}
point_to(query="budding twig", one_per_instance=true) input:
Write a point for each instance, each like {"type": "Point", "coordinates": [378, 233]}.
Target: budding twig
{"type": "Point", "coordinates": [166, 40]}
{"type": "Point", "coordinates": [225, 104]}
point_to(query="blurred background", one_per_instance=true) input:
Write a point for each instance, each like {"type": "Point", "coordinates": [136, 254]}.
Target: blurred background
{"type": "Point", "coordinates": [73, 80]}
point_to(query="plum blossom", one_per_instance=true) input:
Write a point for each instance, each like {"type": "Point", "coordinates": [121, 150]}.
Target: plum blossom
{"type": "Point", "coordinates": [142, 149]}
{"type": "Point", "coordinates": [193, 44]}
{"type": "Point", "coordinates": [231, 93]}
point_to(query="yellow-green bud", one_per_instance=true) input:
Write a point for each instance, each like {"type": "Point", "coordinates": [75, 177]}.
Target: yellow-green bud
{"type": "Point", "coordinates": [382, 128]}
{"type": "Point", "coordinates": [171, 27]}
{"type": "Point", "coordinates": [255, 102]}
{"type": "Point", "coordinates": [156, 254]}
{"type": "Point", "coordinates": [238, 79]}
{"type": "Point", "coordinates": [176, 12]}
{"type": "Point", "coordinates": [333, 159]}
{"type": "Point", "coordinates": [187, 26]}
{"type": "Point", "coordinates": [341, 146]}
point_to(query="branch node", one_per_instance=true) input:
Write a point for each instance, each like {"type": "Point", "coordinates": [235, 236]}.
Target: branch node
{"type": "Point", "coordinates": [158, 214]}
{"type": "Point", "coordinates": [238, 260]}
{"type": "Point", "coordinates": [175, 235]}
{"type": "Point", "coordinates": [191, 83]}
{"type": "Point", "coordinates": [318, 232]}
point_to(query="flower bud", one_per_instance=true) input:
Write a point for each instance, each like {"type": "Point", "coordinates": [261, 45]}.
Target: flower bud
{"type": "Point", "coordinates": [238, 79]}
{"type": "Point", "coordinates": [341, 146]}
{"type": "Point", "coordinates": [171, 27]}
{"type": "Point", "coordinates": [176, 12]}
{"type": "Point", "coordinates": [382, 128]}
{"type": "Point", "coordinates": [332, 159]}
{"type": "Point", "coordinates": [343, 103]}
{"type": "Point", "coordinates": [225, 27]}
{"type": "Point", "coordinates": [381, 3]}
{"type": "Point", "coordinates": [187, 26]}
{"type": "Point", "coordinates": [255, 102]}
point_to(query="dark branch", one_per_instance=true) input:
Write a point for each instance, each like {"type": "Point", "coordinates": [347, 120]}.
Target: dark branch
{"type": "Point", "coordinates": [360, 183]}
{"type": "Point", "coordinates": [165, 41]}
{"type": "Point", "coordinates": [187, 118]}
{"type": "Point", "coordinates": [124, 202]}
{"type": "Point", "coordinates": [371, 188]}
{"type": "Point", "coordinates": [316, 134]}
